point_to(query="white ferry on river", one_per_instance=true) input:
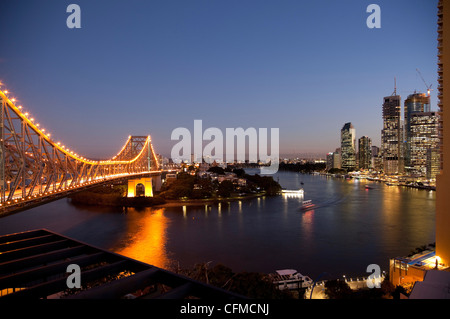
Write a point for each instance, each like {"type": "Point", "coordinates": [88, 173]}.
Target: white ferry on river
{"type": "Point", "coordinates": [298, 192]}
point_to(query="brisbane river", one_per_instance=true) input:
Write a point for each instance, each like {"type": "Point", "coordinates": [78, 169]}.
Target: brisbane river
{"type": "Point", "coordinates": [351, 228]}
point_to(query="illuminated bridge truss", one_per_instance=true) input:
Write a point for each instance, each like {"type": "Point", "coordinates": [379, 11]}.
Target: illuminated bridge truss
{"type": "Point", "coordinates": [33, 166]}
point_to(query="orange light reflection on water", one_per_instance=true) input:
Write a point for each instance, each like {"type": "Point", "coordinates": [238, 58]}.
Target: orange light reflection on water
{"type": "Point", "coordinates": [148, 242]}
{"type": "Point", "coordinates": [308, 224]}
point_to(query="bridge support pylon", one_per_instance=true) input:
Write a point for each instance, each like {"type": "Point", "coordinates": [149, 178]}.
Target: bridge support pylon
{"type": "Point", "coordinates": [145, 183]}
{"type": "Point", "coordinates": [157, 183]}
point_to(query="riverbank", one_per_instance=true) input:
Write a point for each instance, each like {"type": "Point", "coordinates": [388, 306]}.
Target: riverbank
{"type": "Point", "coordinates": [206, 201]}
{"type": "Point", "coordinates": [116, 200]}
{"type": "Point", "coordinates": [386, 181]}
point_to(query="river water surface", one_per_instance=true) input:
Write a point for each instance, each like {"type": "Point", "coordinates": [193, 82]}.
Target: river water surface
{"type": "Point", "coordinates": [350, 228]}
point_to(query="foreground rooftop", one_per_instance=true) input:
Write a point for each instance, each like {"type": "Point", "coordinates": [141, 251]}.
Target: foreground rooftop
{"type": "Point", "coordinates": [33, 264]}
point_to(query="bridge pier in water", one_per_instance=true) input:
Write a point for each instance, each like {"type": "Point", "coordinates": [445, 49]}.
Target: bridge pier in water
{"type": "Point", "coordinates": [143, 186]}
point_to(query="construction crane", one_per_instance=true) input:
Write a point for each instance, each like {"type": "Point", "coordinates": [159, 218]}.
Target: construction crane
{"type": "Point", "coordinates": [428, 86]}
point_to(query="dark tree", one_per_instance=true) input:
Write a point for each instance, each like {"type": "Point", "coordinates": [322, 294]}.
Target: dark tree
{"type": "Point", "coordinates": [225, 189]}
{"type": "Point", "coordinates": [240, 172]}
{"type": "Point", "coordinates": [337, 289]}
{"type": "Point", "coordinates": [217, 169]}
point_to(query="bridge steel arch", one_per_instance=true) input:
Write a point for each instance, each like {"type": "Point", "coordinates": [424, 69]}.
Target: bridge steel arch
{"type": "Point", "coordinates": [32, 165]}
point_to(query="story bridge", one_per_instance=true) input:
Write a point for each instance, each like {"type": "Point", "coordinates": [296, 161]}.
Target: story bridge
{"type": "Point", "coordinates": [35, 169]}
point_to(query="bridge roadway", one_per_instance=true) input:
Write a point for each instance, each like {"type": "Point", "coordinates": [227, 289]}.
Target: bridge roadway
{"type": "Point", "coordinates": [19, 203]}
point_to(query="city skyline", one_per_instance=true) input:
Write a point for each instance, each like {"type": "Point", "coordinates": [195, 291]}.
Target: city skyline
{"type": "Point", "coordinates": [141, 69]}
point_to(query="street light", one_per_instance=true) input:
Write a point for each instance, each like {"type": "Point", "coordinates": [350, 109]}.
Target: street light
{"type": "Point", "coordinates": [315, 281]}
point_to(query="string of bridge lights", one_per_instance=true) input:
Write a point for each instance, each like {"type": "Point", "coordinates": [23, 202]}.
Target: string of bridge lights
{"type": "Point", "coordinates": [36, 126]}
{"type": "Point", "coordinates": [29, 118]}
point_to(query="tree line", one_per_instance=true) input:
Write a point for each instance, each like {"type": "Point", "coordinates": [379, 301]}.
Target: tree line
{"type": "Point", "coordinates": [188, 186]}
{"type": "Point", "coordinates": [302, 167]}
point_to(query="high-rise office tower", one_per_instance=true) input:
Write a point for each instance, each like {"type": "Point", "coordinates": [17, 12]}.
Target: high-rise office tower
{"type": "Point", "coordinates": [377, 161]}
{"type": "Point", "coordinates": [365, 152]}
{"type": "Point", "coordinates": [443, 179]}
{"type": "Point", "coordinates": [415, 103]}
{"type": "Point", "coordinates": [348, 147]}
{"type": "Point", "coordinates": [423, 138]}
{"type": "Point", "coordinates": [329, 161]}
{"type": "Point", "coordinates": [333, 160]}
{"type": "Point", "coordinates": [337, 159]}
{"type": "Point", "coordinates": [441, 78]}
{"type": "Point", "coordinates": [433, 163]}
{"type": "Point", "coordinates": [391, 135]}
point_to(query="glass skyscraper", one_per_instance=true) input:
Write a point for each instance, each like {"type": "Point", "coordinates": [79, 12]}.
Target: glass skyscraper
{"type": "Point", "coordinates": [391, 135]}
{"type": "Point", "coordinates": [365, 152]}
{"type": "Point", "coordinates": [348, 147]}
{"type": "Point", "coordinates": [415, 103]}
{"type": "Point", "coordinates": [423, 138]}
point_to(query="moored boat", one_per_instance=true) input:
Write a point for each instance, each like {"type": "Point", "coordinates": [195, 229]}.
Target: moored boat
{"type": "Point", "coordinates": [290, 279]}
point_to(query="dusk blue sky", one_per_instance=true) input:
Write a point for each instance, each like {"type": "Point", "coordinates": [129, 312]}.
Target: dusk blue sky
{"type": "Point", "coordinates": [148, 67]}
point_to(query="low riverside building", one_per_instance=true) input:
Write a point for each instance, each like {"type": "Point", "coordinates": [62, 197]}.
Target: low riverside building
{"type": "Point", "coordinates": [406, 271]}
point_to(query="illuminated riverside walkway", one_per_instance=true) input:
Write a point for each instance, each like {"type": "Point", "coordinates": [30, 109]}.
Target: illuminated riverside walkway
{"type": "Point", "coordinates": [35, 169]}
{"type": "Point", "coordinates": [318, 292]}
